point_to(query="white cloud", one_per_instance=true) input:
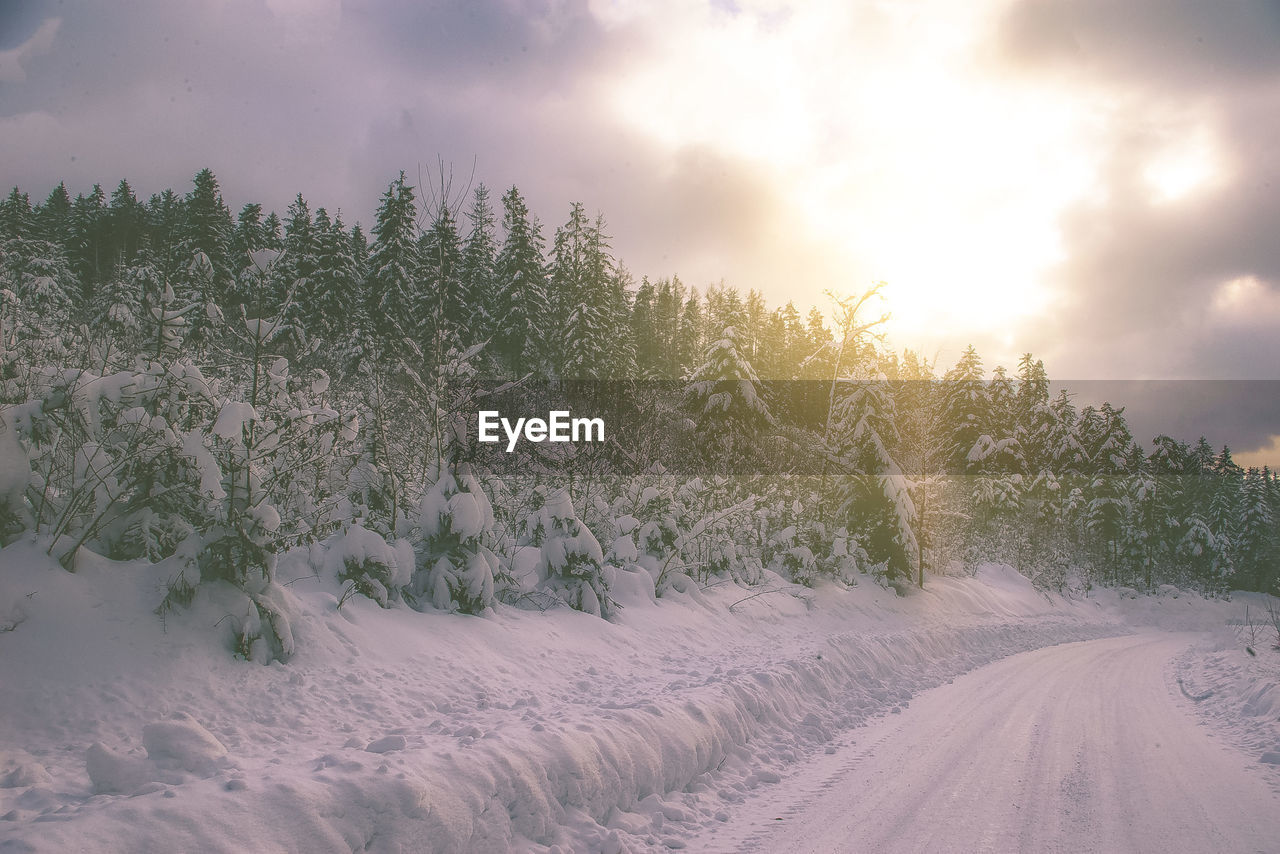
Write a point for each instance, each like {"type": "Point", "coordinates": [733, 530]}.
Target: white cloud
{"type": "Point", "coordinates": [13, 59]}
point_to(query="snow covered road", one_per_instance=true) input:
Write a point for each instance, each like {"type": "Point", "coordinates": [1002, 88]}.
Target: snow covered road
{"type": "Point", "coordinates": [1080, 747]}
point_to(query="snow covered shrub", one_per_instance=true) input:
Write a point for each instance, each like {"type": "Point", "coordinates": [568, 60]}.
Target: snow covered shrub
{"type": "Point", "coordinates": [264, 449]}
{"type": "Point", "coordinates": [15, 474]}
{"type": "Point", "coordinates": [374, 568]}
{"type": "Point", "coordinates": [714, 541]}
{"type": "Point", "coordinates": [456, 567]}
{"type": "Point", "coordinates": [651, 501]}
{"type": "Point", "coordinates": [572, 560]}
{"type": "Point", "coordinates": [872, 494]}
{"type": "Point", "coordinates": [791, 559]}
{"type": "Point", "coordinates": [846, 558]}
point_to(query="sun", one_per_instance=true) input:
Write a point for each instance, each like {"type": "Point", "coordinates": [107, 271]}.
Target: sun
{"type": "Point", "coordinates": [902, 155]}
{"type": "Point", "coordinates": [1183, 167]}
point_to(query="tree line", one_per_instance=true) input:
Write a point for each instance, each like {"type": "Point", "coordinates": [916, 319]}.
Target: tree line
{"type": "Point", "coordinates": [178, 384]}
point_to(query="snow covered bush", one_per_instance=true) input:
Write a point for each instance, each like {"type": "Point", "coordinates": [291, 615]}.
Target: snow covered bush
{"type": "Point", "coordinates": [572, 560]}
{"type": "Point", "coordinates": [15, 475]}
{"type": "Point", "coordinates": [372, 566]}
{"type": "Point", "coordinates": [456, 567]}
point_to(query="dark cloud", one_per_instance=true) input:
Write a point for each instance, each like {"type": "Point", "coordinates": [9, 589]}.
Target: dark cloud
{"type": "Point", "coordinates": [1184, 43]}
{"type": "Point", "coordinates": [1139, 292]}
{"type": "Point", "coordinates": [279, 100]}
{"type": "Point", "coordinates": [502, 92]}
{"type": "Point", "coordinates": [19, 19]}
{"type": "Point", "coordinates": [537, 47]}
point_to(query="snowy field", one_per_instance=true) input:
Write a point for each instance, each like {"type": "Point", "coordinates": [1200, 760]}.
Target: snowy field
{"type": "Point", "coordinates": [518, 730]}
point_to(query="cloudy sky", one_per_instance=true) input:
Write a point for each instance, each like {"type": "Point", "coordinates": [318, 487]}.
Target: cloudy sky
{"type": "Point", "coordinates": [1094, 181]}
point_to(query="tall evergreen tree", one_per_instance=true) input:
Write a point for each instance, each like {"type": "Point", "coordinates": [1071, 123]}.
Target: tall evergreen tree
{"type": "Point", "coordinates": [332, 301]}
{"type": "Point", "coordinates": [522, 283]}
{"type": "Point", "coordinates": [208, 231]}
{"type": "Point", "coordinates": [477, 274]}
{"type": "Point", "coordinates": [394, 271]}
{"type": "Point", "coordinates": [126, 224]}
{"type": "Point", "coordinates": [15, 216]}
{"type": "Point", "coordinates": [88, 249]}
{"type": "Point", "coordinates": [967, 408]}
{"type": "Point", "coordinates": [690, 340]}
{"type": "Point", "coordinates": [644, 331]}
{"type": "Point", "coordinates": [444, 306]}
{"type": "Point", "coordinates": [52, 220]}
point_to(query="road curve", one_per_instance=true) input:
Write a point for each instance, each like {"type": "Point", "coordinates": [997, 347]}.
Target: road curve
{"type": "Point", "coordinates": [1083, 747]}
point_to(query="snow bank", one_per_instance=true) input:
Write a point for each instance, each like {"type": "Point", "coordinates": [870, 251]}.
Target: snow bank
{"type": "Point", "coordinates": [1235, 692]}
{"type": "Point", "coordinates": [393, 730]}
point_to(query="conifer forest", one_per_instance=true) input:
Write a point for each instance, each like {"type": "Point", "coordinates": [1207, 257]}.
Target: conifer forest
{"type": "Point", "coordinates": [180, 382]}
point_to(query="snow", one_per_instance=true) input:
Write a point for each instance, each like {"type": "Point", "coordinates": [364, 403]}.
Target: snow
{"type": "Point", "coordinates": [263, 259]}
{"type": "Point", "coordinates": [15, 468]}
{"type": "Point", "coordinates": [232, 419]}
{"type": "Point", "coordinates": [392, 730]}
{"type": "Point", "coordinates": [1094, 752]}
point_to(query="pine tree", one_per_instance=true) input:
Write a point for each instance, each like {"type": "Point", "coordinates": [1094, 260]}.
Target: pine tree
{"type": "Point", "coordinates": [289, 276]}
{"type": "Point", "coordinates": [126, 221]}
{"type": "Point", "coordinates": [1033, 386]}
{"type": "Point", "coordinates": [443, 307]}
{"type": "Point", "coordinates": [208, 231]}
{"type": "Point", "coordinates": [456, 568]}
{"type": "Point", "coordinates": [1257, 538]}
{"type": "Point", "coordinates": [581, 275]}
{"type": "Point", "coordinates": [272, 232]}
{"type": "Point", "coordinates": [725, 400]}
{"type": "Point", "coordinates": [522, 289]}
{"type": "Point", "coordinates": [690, 340]}
{"type": "Point", "coordinates": [53, 219]}
{"type": "Point", "coordinates": [118, 303]}
{"type": "Point", "coordinates": [620, 352]}
{"type": "Point", "coordinates": [164, 239]}
{"type": "Point", "coordinates": [966, 409]}
{"type": "Point", "coordinates": [394, 271]}
{"type": "Point", "coordinates": [666, 324]}
{"type": "Point", "coordinates": [15, 216]}
{"type": "Point", "coordinates": [331, 300]}
{"type": "Point", "coordinates": [87, 249]}
{"type": "Point", "coordinates": [644, 331]}
{"type": "Point", "coordinates": [478, 288]}
{"type": "Point", "coordinates": [38, 272]}
{"type": "Point", "coordinates": [250, 233]}
{"type": "Point", "coordinates": [872, 493]}
{"type": "Point", "coordinates": [1107, 443]}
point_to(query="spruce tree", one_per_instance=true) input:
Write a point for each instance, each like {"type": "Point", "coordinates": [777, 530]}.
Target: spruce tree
{"type": "Point", "coordinates": [644, 331]}
{"type": "Point", "coordinates": [52, 220]}
{"type": "Point", "coordinates": [87, 249]}
{"type": "Point", "coordinates": [290, 274]}
{"type": "Point", "coordinates": [522, 289]}
{"type": "Point", "coordinates": [872, 494]}
{"type": "Point", "coordinates": [725, 400]}
{"type": "Point", "coordinates": [443, 306]}
{"type": "Point", "coordinates": [208, 231]}
{"type": "Point", "coordinates": [15, 216]}
{"type": "Point", "coordinates": [394, 272]}
{"type": "Point", "coordinates": [335, 293]}
{"type": "Point", "coordinates": [967, 408]}
{"type": "Point", "coordinates": [690, 341]}
{"type": "Point", "coordinates": [477, 285]}
{"type": "Point", "coordinates": [126, 221]}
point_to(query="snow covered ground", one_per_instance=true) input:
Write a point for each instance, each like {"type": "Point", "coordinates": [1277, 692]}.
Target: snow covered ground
{"type": "Point", "coordinates": [1078, 747]}
{"type": "Point", "coordinates": [393, 730]}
